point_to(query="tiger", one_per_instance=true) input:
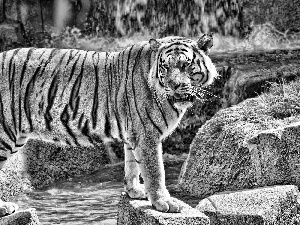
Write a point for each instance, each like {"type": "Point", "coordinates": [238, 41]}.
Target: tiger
{"type": "Point", "coordinates": [80, 98]}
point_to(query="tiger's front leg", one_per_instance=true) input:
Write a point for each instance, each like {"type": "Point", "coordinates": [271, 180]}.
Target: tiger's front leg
{"type": "Point", "coordinates": [132, 175]}
{"type": "Point", "coordinates": [150, 161]}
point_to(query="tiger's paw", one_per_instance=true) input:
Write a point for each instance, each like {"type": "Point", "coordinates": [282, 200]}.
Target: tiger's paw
{"type": "Point", "coordinates": [7, 208]}
{"type": "Point", "coordinates": [137, 192]}
{"type": "Point", "coordinates": [168, 205]}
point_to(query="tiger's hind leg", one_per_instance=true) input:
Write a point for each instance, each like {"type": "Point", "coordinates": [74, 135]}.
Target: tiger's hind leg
{"type": "Point", "coordinates": [133, 187]}
{"type": "Point", "coordinates": [111, 152]}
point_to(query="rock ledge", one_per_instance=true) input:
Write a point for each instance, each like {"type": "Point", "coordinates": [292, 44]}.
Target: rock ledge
{"type": "Point", "coordinates": [262, 206]}
{"type": "Point", "coordinates": [141, 212]}
{"type": "Point", "coordinates": [25, 217]}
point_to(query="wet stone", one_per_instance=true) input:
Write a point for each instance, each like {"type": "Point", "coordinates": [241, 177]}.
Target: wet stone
{"type": "Point", "coordinates": [133, 212]}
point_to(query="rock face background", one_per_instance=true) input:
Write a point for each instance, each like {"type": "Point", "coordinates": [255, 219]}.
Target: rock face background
{"type": "Point", "coordinates": [105, 17]}
{"type": "Point", "coordinates": [181, 17]}
{"type": "Point", "coordinates": [118, 18]}
{"type": "Point", "coordinates": [242, 147]}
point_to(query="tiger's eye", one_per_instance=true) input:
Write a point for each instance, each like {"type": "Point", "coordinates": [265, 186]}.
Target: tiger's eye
{"type": "Point", "coordinates": [185, 65]}
{"type": "Point", "coordinates": [165, 66]}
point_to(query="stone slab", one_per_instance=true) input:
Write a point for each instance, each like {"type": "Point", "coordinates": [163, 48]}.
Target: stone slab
{"type": "Point", "coordinates": [25, 217]}
{"type": "Point", "coordinates": [141, 212]}
{"type": "Point", "coordinates": [269, 205]}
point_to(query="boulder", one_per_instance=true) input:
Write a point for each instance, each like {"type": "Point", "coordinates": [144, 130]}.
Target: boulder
{"type": "Point", "coordinates": [242, 147]}
{"type": "Point", "coordinates": [39, 164]}
{"type": "Point", "coordinates": [131, 212]}
{"type": "Point", "coordinates": [46, 163]}
{"type": "Point", "coordinates": [262, 206]}
{"type": "Point", "coordinates": [25, 217]}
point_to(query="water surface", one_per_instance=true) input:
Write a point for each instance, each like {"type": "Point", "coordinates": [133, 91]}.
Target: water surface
{"type": "Point", "coordinates": [75, 203]}
{"type": "Point", "coordinates": [90, 199]}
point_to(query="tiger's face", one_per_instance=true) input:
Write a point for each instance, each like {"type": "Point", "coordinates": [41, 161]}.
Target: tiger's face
{"type": "Point", "coordinates": [183, 68]}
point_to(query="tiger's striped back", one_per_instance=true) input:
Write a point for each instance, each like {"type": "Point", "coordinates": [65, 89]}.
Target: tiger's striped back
{"type": "Point", "coordinates": [77, 97]}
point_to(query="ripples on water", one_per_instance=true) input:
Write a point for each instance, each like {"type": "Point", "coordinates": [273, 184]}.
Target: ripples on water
{"type": "Point", "coordinates": [75, 203]}
{"type": "Point", "coordinates": [87, 199]}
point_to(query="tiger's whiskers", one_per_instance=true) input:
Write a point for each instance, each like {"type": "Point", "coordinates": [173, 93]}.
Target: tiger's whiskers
{"type": "Point", "coordinates": [202, 94]}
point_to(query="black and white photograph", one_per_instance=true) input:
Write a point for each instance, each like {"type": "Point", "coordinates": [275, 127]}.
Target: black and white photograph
{"type": "Point", "coordinates": [149, 112]}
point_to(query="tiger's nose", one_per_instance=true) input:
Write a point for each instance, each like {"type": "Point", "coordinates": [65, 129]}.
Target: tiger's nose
{"type": "Point", "coordinates": [176, 86]}
{"type": "Point", "coordinates": [172, 84]}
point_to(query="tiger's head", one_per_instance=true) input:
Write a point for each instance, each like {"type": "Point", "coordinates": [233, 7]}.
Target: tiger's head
{"type": "Point", "coordinates": [182, 69]}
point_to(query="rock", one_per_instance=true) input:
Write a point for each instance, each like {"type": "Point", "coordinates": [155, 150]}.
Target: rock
{"type": "Point", "coordinates": [47, 163]}
{"type": "Point", "coordinates": [133, 212]}
{"type": "Point", "coordinates": [275, 154]}
{"type": "Point", "coordinates": [39, 164]}
{"type": "Point", "coordinates": [242, 147]}
{"type": "Point", "coordinates": [245, 75]}
{"type": "Point", "coordinates": [268, 205]}
{"type": "Point", "coordinates": [25, 217]}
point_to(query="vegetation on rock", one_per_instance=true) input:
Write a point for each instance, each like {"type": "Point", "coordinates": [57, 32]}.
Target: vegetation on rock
{"type": "Point", "coordinates": [282, 100]}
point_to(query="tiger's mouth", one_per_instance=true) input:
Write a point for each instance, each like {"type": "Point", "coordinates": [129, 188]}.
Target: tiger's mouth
{"type": "Point", "coordinates": [181, 98]}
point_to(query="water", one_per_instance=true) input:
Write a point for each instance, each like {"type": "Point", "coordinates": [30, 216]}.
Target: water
{"type": "Point", "coordinates": [89, 199]}
{"type": "Point", "coordinates": [75, 203]}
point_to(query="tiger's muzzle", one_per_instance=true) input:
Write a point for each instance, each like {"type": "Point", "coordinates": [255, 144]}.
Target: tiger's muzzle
{"type": "Point", "coordinates": [178, 87]}
{"type": "Point", "coordinates": [180, 93]}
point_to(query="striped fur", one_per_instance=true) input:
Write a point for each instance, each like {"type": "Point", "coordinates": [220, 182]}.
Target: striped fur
{"type": "Point", "coordinates": [78, 97]}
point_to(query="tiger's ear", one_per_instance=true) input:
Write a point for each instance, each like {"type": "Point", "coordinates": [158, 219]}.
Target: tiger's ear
{"type": "Point", "coordinates": [154, 44]}
{"type": "Point", "coordinates": [205, 42]}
